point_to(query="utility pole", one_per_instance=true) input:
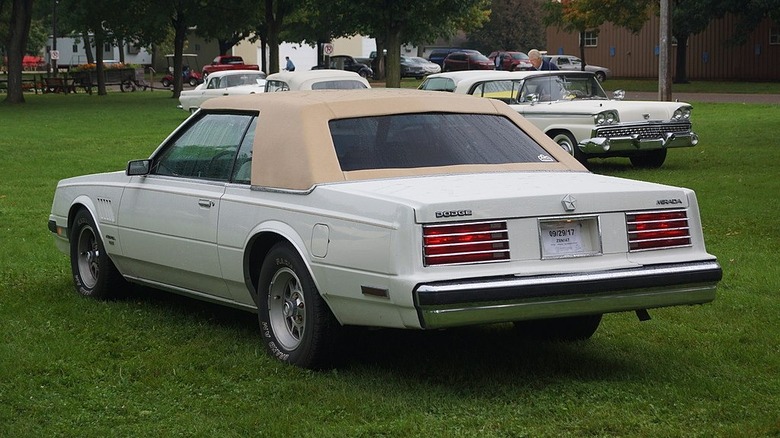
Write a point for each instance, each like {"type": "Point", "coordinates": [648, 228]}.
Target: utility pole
{"type": "Point", "coordinates": [53, 59]}
{"type": "Point", "coordinates": [664, 55]}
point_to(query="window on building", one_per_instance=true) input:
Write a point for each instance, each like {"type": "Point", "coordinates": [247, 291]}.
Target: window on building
{"type": "Point", "coordinates": [591, 38]}
{"type": "Point", "coordinates": [774, 35]}
{"type": "Point", "coordinates": [75, 48]}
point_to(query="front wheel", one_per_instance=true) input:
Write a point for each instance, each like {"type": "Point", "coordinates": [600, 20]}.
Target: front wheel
{"type": "Point", "coordinates": [572, 328]}
{"type": "Point", "coordinates": [94, 274]}
{"type": "Point", "coordinates": [296, 323]}
{"type": "Point", "coordinates": [166, 83]}
{"type": "Point", "coordinates": [649, 159]}
{"type": "Point", "coordinates": [567, 142]}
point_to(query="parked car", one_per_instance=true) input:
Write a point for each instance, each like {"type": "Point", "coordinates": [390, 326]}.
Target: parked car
{"type": "Point", "coordinates": [471, 60]}
{"type": "Point", "coordinates": [568, 62]}
{"type": "Point", "coordinates": [223, 83]}
{"type": "Point", "coordinates": [416, 67]}
{"type": "Point", "coordinates": [511, 61]}
{"type": "Point", "coordinates": [227, 62]}
{"type": "Point", "coordinates": [348, 63]}
{"type": "Point", "coordinates": [437, 55]}
{"type": "Point", "coordinates": [382, 208]}
{"type": "Point", "coordinates": [573, 109]}
{"type": "Point", "coordinates": [190, 70]}
{"type": "Point", "coordinates": [315, 80]}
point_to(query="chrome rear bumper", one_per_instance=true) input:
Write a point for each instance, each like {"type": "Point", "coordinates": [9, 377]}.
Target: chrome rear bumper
{"type": "Point", "coordinates": [483, 301]}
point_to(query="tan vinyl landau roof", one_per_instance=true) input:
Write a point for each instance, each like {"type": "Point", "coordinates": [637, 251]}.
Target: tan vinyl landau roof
{"type": "Point", "coordinates": [293, 130]}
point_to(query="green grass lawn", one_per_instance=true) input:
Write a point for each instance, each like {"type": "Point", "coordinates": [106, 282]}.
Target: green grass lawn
{"type": "Point", "coordinates": [160, 365]}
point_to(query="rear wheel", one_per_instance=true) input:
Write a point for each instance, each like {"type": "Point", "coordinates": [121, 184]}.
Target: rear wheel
{"type": "Point", "coordinates": [572, 328]}
{"type": "Point", "coordinates": [649, 159]}
{"type": "Point", "coordinates": [296, 323]}
{"type": "Point", "coordinates": [567, 142]}
{"type": "Point", "coordinates": [94, 274]}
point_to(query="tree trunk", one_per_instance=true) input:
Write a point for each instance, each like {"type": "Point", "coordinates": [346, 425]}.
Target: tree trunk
{"type": "Point", "coordinates": [393, 59]}
{"type": "Point", "coordinates": [99, 67]}
{"type": "Point", "coordinates": [681, 71]}
{"type": "Point", "coordinates": [88, 47]}
{"type": "Point", "coordinates": [178, 50]}
{"type": "Point", "coordinates": [379, 63]}
{"type": "Point", "coordinates": [272, 38]}
{"type": "Point", "coordinates": [582, 50]}
{"type": "Point", "coordinates": [19, 30]}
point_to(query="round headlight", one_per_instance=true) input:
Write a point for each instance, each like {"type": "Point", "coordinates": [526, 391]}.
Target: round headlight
{"type": "Point", "coordinates": [611, 117]}
{"type": "Point", "coordinates": [600, 118]}
{"type": "Point", "coordinates": [686, 113]}
{"type": "Point", "coordinates": [677, 114]}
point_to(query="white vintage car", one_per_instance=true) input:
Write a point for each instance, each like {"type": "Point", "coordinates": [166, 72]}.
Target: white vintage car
{"type": "Point", "coordinates": [223, 83]}
{"type": "Point", "coordinates": [381, 208]}
{"type": "Point", "coordinates": [315, 80]}
{"type": "Point", "coordinates": [573, 109]}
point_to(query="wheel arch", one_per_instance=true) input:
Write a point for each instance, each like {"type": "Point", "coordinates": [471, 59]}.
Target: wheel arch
{"type": "Point", "coordinates": [260, 243]}
{"type": "Point", "coordinates": [82, 202]}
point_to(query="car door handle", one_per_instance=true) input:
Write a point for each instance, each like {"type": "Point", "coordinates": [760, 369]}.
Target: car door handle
{"type": "Point", "coordinates": [206, 203]}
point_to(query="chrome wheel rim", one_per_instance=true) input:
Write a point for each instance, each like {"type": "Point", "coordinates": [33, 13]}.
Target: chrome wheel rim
{"type": "Point", "coordinates": [287, 308]}
{"type": "Point", "coordinates": [88, 255]}
{"type": "Point", "coordinates": [565, 142]}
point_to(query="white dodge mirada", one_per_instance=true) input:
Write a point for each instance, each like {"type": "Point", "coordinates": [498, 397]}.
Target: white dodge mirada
{"type": "Point", "coordinates": [382, 208]}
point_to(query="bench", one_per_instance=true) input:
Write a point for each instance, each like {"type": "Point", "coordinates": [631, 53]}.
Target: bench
{"type": "Point", "coordinates": [59, 85]}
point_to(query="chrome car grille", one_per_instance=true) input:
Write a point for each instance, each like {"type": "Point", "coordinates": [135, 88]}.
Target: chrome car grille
{"type": "Point", "coordinates": [643, 130]}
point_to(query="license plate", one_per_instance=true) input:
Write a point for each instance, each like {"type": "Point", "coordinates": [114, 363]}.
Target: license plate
{"type": "Point", "coordinates": [569, 237]}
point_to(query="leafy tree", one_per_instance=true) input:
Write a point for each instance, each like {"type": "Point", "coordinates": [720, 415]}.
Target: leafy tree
{"type": "Point", "coordinates": [513, 25]}
{"type": "Point", "coordinates": [690, 17]}
{"type": "Point", "coordinates": [581, 16]}
{"type": "Point", "coordinates": [394, 22]}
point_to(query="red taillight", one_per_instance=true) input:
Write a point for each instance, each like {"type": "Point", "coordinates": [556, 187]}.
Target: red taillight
{"type": "Point", "coordinates": [658, 230]}
{"type": "Point", "coordinates": [465, 243]}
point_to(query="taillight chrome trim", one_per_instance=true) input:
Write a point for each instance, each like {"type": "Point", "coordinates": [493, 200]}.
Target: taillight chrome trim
{"type": "Point", "coordinates": [465, 243]}
{"type": "Point", "coordinates": [658, 229]}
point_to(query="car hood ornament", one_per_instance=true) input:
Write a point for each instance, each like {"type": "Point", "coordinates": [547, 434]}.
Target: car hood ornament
{"type": "Point", "coordinates": [569, 203]}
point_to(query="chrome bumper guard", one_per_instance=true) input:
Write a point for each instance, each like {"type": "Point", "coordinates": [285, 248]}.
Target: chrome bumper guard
{"type": "Point", "coordinates": [484, 301]}
{"type": "Point", "coordinates": [602, 145]}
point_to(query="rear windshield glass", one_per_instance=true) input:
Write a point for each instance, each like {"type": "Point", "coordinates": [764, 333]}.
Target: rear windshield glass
{"type": "Point", "coordinates": [338, 85]}
{"type": "Point", "coordinates": [431, 140]}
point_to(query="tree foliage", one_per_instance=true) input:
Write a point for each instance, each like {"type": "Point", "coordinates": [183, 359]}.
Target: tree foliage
{"type": "Point", "coordinates": [393, 23]}
{"type": "Point", "coordinates": [513, 25]}
{"type": "Point", "coordinates": [580, 16]}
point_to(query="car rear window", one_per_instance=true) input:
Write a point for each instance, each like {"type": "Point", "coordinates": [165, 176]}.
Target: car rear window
{"type": "Point", "coordinates": [338, 85]}
{"type": "Point", "coordinates": [431, 140]}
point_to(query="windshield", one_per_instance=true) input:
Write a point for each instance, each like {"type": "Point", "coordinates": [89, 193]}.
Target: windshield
{"type": "Point", "coordinates": [541, 88]}
{"type": "Point", "coordinates": [431, 140]}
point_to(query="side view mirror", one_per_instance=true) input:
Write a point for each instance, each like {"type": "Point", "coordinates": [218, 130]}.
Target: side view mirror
{"type": "Point", "coordinates": [138, 167]}
{"type": "Point", "coordinates": [618, 94]}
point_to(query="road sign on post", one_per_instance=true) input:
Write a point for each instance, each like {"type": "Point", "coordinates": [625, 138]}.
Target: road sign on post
{"type": "Point", "coordinates": [327, 49]}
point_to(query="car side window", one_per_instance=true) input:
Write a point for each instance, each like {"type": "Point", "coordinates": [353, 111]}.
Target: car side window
{"type": "Point", "coordinates": [438, 84]}
{"type": "Point", "coordinates": [273, 86]}
{"type": "Point", "coordinates": [242, 171]}
{"type": "Point", "coordinates": [206, 149]}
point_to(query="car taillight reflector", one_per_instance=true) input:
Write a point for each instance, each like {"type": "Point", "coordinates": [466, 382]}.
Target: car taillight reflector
{"type": "Point", "coordinates": [465, 243]}
{"type": "Point", "coordinates": [658, 230]}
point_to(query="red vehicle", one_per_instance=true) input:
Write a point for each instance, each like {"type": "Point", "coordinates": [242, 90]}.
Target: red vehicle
{"type": "Point", "coordinates": [511, 61]}
{"type": "Point", "coordinates": [224, 62]}
{"type": "Point", "coordinates": [467, 60]}
{"type": "Point", "coordinates": [190, 73]}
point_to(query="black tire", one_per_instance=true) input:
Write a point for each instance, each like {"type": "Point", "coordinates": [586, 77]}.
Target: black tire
{"type": "Point", "coordinates": [166, 83]}
{"type": "Point", "coordinates": [649, 159]}
{"type": "Point", "coordinates": [94, 274]}
{"type": "Point", "coordinates": [296, 323]}
{"type": "Point", "coordinates": [567, 142]}
{"type": "Point", "coordinates": [126, 86]}
{"type": "Point", "coordinates": [193, 82]}
{"type": "Point", "coordinates": [572, 328]}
